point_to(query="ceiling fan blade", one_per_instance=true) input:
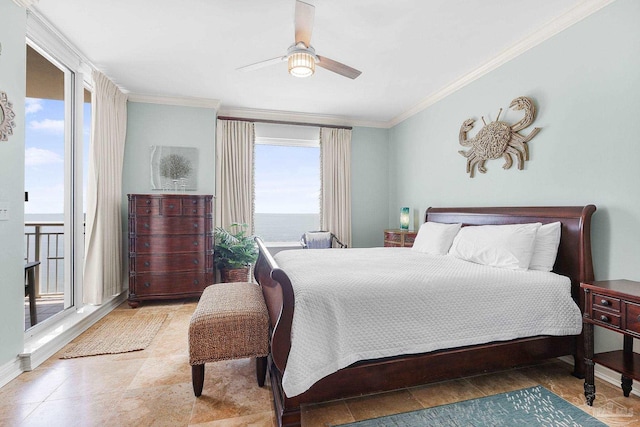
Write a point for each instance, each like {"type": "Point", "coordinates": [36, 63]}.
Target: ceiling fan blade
{"type": "Point", "coordinates": [337, 67]}
{"type": "Point", "coordinates": [262, 64]}
{"type": "Point", "coordinates": [304, 22]}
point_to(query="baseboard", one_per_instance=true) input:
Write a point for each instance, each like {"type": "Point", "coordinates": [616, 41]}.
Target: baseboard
{"type": "Point", "coordinates": [605, 374]}
{"type": "Point", "coordinates": [45, 344]}
{"type": "Point", "coordinates": [9, 371]}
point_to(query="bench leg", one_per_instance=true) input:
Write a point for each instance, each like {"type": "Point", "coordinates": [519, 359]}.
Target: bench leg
{"type": "Point", "coordinates": [261, 370]}
{"type": "Point", "coordinates": [197, 378]}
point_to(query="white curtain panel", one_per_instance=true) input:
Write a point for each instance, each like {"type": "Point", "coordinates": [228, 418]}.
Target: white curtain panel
{"type": "Point", "coordinates": [235, 141]}
{"type": "Point", "coordinates": [335, 198]}
{"type": "Point", "coordinates": [103, 230]}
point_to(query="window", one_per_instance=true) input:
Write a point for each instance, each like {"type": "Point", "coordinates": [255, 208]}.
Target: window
{"type": "Point", "coordinates": [287, 183]}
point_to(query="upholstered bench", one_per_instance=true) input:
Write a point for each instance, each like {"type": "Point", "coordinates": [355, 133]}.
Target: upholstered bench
{"type": "Point", "coordinates": [230, 322]}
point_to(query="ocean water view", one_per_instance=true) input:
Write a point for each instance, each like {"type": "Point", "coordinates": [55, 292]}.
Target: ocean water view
{"type": "Point", "coordinates": [277, 227]}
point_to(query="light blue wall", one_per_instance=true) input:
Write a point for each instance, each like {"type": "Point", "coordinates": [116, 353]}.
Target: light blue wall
{"type": "Point", "coordinates": [369, 186]}
{"type": "Point", "coordinates": [12, 82]}
{"type": "Point", "coordinates": [585, 82]}
{"type": "Point", "coordinates": [168, 125]}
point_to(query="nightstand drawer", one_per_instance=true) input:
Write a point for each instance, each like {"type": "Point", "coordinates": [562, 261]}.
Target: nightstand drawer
{"type": "Point", "coordinates": [606, 317]}
{"type": "Point", "coordinates": [633, 317]}
{"type": "Point", "coordinates": [602, 301]}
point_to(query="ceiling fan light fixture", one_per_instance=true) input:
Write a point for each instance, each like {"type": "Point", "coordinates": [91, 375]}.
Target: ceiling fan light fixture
{"type": "Point", "coordinates": [301, 64]}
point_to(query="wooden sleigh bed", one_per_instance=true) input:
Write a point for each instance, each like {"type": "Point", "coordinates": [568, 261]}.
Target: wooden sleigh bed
{"type": "Point", "coordinates": [371, 376]}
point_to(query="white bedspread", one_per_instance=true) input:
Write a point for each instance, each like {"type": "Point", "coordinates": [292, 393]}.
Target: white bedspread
{"type": "Point", "coordinates": [358, 304]}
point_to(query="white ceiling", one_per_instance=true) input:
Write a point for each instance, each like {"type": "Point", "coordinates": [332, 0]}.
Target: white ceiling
{"type": "Point", "coordinates": [410, 52]}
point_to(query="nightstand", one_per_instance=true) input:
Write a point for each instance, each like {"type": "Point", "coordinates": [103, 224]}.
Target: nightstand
{"type": "Point", "coordinates": [614, 305]}
{"type": "Point", "coordinates": [400, 238]}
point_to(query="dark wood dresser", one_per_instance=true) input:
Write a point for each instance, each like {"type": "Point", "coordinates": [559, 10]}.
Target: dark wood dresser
{"type": "Point", "coordinates": [402, 238]}
{"type": "Point", "coordinates": [170, 246]}
{"type": "Point", "coordinates": [614, 305]}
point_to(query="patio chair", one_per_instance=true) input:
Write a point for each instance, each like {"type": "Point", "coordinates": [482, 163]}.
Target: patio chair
{"type": "Point", "coordinates": [320, 240]}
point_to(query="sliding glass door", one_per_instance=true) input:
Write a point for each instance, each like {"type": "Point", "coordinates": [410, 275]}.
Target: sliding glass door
{"type": "Point", "coordinates": [53, 183]}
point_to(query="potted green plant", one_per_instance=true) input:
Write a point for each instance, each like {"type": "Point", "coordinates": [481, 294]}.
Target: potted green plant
{"type": "Point", "coordinates": [234, 252]}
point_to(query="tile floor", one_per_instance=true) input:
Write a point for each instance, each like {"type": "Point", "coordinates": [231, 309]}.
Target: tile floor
{"type": "Point", "coordinates": [153, 388]}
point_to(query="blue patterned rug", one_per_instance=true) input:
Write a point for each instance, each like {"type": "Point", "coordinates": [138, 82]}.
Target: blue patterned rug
{"type": "Point", "coordinates": [535, 406]}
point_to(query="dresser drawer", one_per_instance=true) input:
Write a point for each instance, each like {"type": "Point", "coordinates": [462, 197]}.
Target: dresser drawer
{"type": "Point", "coordinates": [603, 301]}
{"type": "Point", "coordinates": [393, 239]}
{"type": "Point", "coordinates": [605, 317]}
{"type": "Point", "coordinates": [170, 284]}
{"type": "Point", "coordinates": [193, 210]}
{"type": "Point", "coordinates": [147, 206]}
{"type": "Point", "coordinates": [171, 225]}
{"type": "Point", "coordinates": [171, 206]}
{"type": "Point", "coordinates": [409, 239]}
{"type": "Point", "coordinates": [168, 263]}
{"type": "Point", "coordinates": [149, 244]}
{"type": "Point", "coordinates": [633, 317]}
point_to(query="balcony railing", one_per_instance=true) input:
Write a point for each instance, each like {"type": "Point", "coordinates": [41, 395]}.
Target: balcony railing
{"type": "Point", "coordinates": [44, 242]}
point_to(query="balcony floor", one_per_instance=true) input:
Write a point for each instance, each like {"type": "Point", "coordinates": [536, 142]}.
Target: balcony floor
{"type": "Point", "coordinates": [46, 306]}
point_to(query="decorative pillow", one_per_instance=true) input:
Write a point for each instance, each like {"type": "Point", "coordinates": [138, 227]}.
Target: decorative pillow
{"type": "Point", "coordinates": [505, 246]}
{"type": "Point", "coordinates": [435, 238]}
{"type": "Point", "coordinates": [545, 250]}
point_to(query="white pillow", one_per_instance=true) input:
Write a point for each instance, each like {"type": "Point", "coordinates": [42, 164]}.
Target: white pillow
{"type": "Point", "coordinates": [435, 238]}
{"type": "Point", "coordinates": [505, 246]}
{"type": "Point", "coordinates": [545, 250]}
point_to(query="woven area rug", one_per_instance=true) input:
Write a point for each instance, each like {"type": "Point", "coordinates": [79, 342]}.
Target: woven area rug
{"type": "Point", "coordinates": [116, 333]}
{"type": "Point", "coordinates": [535, 406]}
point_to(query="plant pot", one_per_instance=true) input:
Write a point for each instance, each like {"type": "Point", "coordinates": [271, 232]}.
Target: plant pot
{"type": "Point", "coordinates": [228, 275]}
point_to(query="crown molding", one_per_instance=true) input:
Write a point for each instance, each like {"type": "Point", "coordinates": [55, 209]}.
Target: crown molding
{"type": "Point", "coordinates": [549, 30]}
{"type": "Point", "coordinates": [25, 3]}
{"type": "Point", "coordinates": [180, 101]}
{"type": "Point", "coordinates": [290, 116]}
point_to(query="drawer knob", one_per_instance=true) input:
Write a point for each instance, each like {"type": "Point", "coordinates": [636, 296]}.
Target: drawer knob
{"type": "Point", "coordinates": [146, 226]}
{"type": "Point", "coordinates": [147, 284]}
{"type": "Point", "coordinates": [147, 244]}
{"type": "Point", "coordinates": [196, 262]}
{"type": "Point", "coordinates": [148, 210]}
{"type": "Point", "coordinates": [148, 202]}
{"type": "Point", "coordinates": [195, 225]}
{"type": "Point", "coordinates": [604, 302]}
{"type": "Point", "coordinates": [146, 264]}
{"type": "Point", "coordinates": [196, 282]}
{"type": "Point", "coordinates": [604, 318]}
{"type": "Point", "coordinates": [171, 206]}
{"type": "Point", "coordinates": [195, 243]}
{"type": "Point", "coordinates": [194, 211]}
{"type": "Point", "coordinates": [195, 202]}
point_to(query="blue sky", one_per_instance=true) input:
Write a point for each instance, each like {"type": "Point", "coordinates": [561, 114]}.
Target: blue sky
{"type": "Point", "coordinates": [44, 154]}
{"type": "Point", "coordinates": [287, 179]}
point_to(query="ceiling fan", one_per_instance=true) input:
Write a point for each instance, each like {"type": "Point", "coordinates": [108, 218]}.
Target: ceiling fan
{"type": "Point", "coordinates": [301, 56]}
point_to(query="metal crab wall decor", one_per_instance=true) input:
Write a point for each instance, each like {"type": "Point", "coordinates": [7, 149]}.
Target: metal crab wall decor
{"type": "Point", "coordinates": [499, 139]}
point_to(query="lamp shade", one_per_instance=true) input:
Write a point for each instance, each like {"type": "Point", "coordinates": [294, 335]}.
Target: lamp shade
{"type": "Point", "coordinates": [301, 64]}
{"type": "Point", "coordinates": [404, 218]}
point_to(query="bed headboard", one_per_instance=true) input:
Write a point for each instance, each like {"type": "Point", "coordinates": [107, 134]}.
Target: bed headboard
{"type": "Point", "coordinates": [574, 253]}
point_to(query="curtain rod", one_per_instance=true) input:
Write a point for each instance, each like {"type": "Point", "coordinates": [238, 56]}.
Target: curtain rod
{"type": "Point", "coordinates": [282, 122]}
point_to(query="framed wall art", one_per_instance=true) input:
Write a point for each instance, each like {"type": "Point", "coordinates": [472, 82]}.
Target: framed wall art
{"type": "Point", "coordinates": [174, 168]}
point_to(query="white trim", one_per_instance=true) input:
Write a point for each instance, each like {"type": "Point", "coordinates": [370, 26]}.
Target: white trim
{"type": "Point", "coordinates": [169, 100]}
{"type": "Point", "coordinates": [42, 346]}
{"type": "Point", "coordinates": [290, 116]}
{"type": "Point", "coordinates": [9, 371]}
{"type": "Point", "coordinates": [603, 373]}
{"type": "Point", "coordinates": [45, 35]}
{"type": "Point", "coordinates": [25, 3]}
{"type": "Point", "coordinates": [288, 142]}
{"type": "Point", "coordinates": [555, 26]}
